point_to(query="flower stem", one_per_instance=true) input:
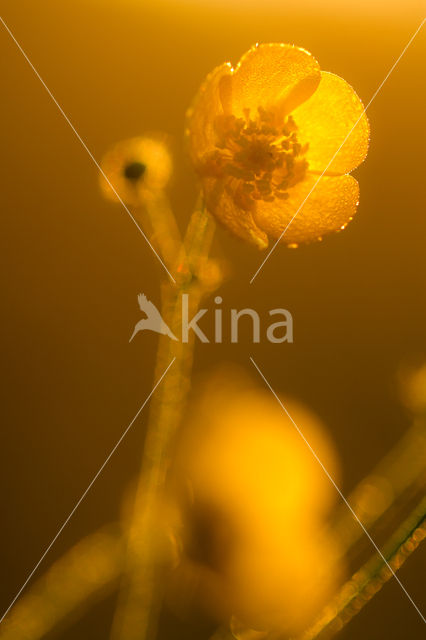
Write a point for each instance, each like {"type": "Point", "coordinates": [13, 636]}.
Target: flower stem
{"type": "Point", "coordinates": [360, 589]}
{"type": "Point", "coordinates": [87, 572]}
{"type": "Point", "coordinates": [156, 216]}
{"type": "Point", "coordinates": [140, 598]}
{"type": "Point", "coordinates": [366, 582]}
{"type": "Point", "coordinates": [401, 469]}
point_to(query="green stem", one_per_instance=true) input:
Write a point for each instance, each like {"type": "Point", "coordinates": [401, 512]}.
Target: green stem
{"type": "Point", "coordinates": [88, 572]}
{"type": "Point", "coordinates": [371, 577]}
{"type": "Point", "coordinates": [162, 227]}
{"type": "Point", "coordinates": [361, 588]}
{"type": "Point", "coordinates": [402, 468]}
{"type": "Point", "coordinates": [140, 598]}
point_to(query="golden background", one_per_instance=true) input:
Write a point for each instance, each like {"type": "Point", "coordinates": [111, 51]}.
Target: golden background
{"type": "Point", "coordinates": [72, 263]}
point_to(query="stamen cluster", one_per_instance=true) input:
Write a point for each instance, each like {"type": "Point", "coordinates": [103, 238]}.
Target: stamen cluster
{"type": "Point", "coordinates": [265, 155]}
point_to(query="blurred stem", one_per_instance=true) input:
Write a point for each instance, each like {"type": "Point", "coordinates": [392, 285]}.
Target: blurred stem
{"type": "Point", "coordinates": [402, 468]}
{"type": "Point", "coordinates": [86, 573]}
{"type": "Point", "coordinates": [147, 549]}
{"type": "Point", "coordinates": [371, 577]}
{"type": "Point", "coordinates": [159, 224]}
{"type": "Point", "coordinates": [360, 589]}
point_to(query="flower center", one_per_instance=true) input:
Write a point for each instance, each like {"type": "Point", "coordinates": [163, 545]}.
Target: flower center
{"type": "Point", "coordinates": [265, 156]}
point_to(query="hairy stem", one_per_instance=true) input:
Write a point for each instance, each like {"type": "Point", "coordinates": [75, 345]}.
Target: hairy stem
{"type": "Point", "coordinates": [147, 553]}
{"type": "Point", "coordinates": [366, 582]}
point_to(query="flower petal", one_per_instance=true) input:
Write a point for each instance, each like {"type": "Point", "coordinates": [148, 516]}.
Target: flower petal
{"type": "Point", "coordinates": [274, 74]}
{"type": "Point", "coordinates": [329, 207]}
{"type": "Point", "coordinates": [200, 117]}
{"type": "Point", "coordinates": [223, 202]}
{"type": "Point", "coordinates": [325, 121]}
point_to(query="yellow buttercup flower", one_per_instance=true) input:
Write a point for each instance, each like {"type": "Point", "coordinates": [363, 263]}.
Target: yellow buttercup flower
{"type": "Point", "coordinates": [261, 134]}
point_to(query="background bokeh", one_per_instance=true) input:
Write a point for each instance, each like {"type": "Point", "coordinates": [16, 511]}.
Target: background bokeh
{"type": "Point", "coordinates": [72, 263]}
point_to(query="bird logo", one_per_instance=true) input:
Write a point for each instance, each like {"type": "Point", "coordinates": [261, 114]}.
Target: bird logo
{"type": "Point", "coordinates": [153, 320]}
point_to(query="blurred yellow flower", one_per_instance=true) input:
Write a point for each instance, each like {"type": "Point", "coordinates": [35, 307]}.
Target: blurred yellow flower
{"type": "Point", "coordinates": [254, 520]}
{"type": "Point", "coordinates": [135, 168]}
{"type": "Point", "coordinates": [260, 135]}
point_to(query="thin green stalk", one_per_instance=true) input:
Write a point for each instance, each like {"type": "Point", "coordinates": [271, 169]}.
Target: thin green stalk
{"type": "Point", "coordinates": [361, 588]}
{"type": "Point", "coordinates": [156, 214]}
{"type": "Point", "coordinates": [366, 582]}
{"type": "Point", "coordinates": [403, 467]}
{"type": "Point", "coordinates": [88, 572]}
{"type": "Point", "coordinates": [140, 597]}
